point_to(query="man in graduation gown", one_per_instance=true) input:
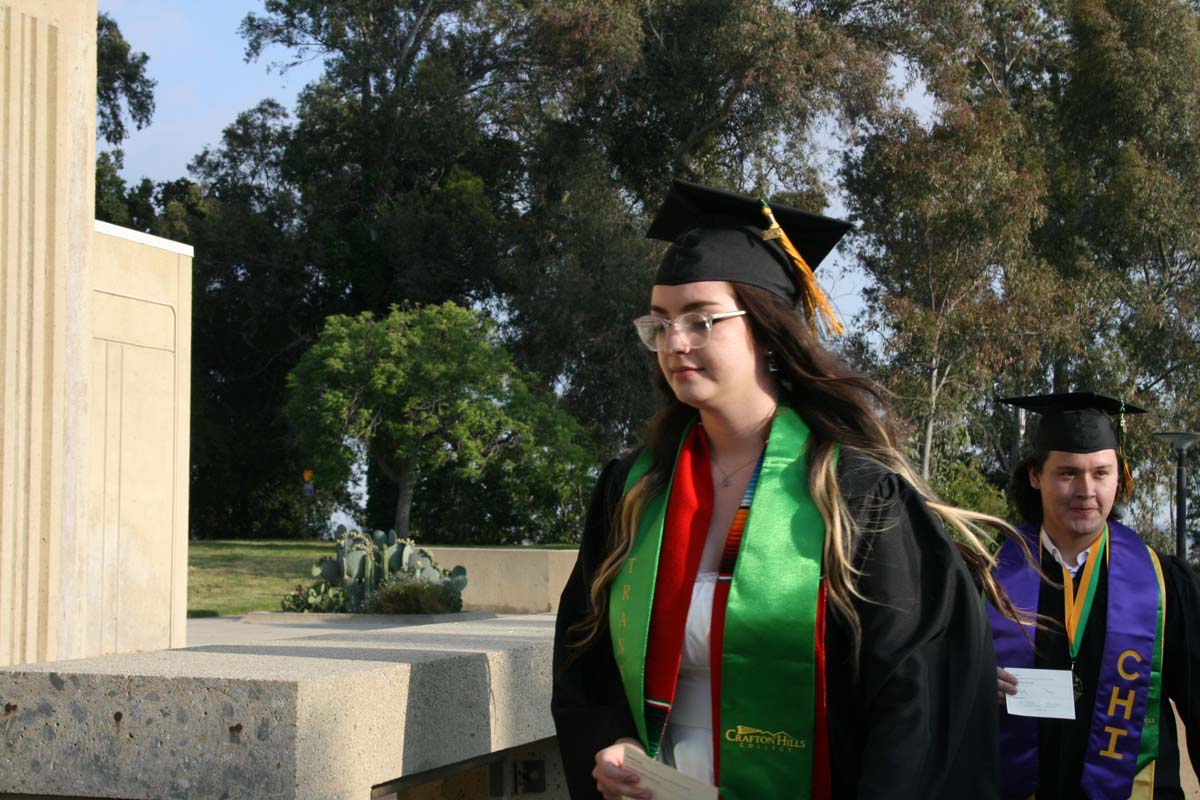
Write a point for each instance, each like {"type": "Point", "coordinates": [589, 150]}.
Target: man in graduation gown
{"type": "Point", "coordinates": [1119, 617]}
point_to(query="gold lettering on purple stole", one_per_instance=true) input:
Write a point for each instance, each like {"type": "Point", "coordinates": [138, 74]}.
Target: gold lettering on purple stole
{"type": "Point", "coordinates": [1113, 734]}
{"type": "Point", "coordinates": [1129, 676]}
{"type": "Point", "coordinates": [1125, 702]}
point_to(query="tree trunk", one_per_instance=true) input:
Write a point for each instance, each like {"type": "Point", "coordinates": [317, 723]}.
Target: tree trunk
{"type": "Point", "coordinates": [927, 448]}
{"type": "Point", "coordinates": [407, 481]}
{"type": "Point", "coordinates": [1058, 378]}
{"type": "Point", "coordinates": [927, 445]}
{"type": "Point", "coordinates": [1018, 438]}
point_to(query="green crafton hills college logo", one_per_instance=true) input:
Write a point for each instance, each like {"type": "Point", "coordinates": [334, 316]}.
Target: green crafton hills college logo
{"type": "Point", "coordinates": [757, 738]}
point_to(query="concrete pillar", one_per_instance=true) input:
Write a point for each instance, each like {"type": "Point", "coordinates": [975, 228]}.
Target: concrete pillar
{"type": "Point", "coordinates": [47, 143]}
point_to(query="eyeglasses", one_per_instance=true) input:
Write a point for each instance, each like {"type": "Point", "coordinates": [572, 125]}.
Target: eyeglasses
{"type": "Point", "coordinates": [695, 327]}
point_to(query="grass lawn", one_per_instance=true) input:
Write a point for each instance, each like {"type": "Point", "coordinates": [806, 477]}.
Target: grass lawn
{"type": "Point", "coordinates": [228, 578]}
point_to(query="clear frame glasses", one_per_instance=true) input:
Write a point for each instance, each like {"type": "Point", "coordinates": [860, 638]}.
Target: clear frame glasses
{"type": "Point", "coordinates": [695, 327]}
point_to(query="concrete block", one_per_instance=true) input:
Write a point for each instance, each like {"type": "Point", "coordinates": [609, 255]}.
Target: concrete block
{"type": "Point", "coordinates": [326, 716]}
{"type": "Point", "coordinates": [515, 580]}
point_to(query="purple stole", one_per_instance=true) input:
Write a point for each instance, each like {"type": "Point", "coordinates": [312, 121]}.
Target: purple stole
{"type": "Point", "coordinates": [1124, 737]}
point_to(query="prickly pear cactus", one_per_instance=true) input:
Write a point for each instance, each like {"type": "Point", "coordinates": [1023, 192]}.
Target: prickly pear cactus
{"type": "Point", "coordinates": [363, 564]}
{"type": "Point", "coordinates": [458, 577]}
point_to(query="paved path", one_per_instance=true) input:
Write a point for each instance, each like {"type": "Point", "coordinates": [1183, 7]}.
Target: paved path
{"type": "Point", "coordinates": [271, 626]}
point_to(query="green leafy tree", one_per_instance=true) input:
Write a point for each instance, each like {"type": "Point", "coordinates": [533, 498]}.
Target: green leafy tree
{"type": "Point", "coordinates": [624, 96]}
{"type": "Point", "coordinates": [119, 203]}
{"type": "Point", "coordinates": [1129, 118]}
{"type": "Point", "coordinates": [961, 483]}
{"type": "Point", "coordinates": [257, 303]}
{"type": "Point", "coordinates": [429, 393]}
{"type": "Point", "coordinates": [123, 89]}
{"type": "Point", "coordinates": [946, 215]}
{"type": "Point", "coordinates": [582, 272]}
{"type": "Point", "coordinates": [404, 177]}
{"type": "Point", "coordinates": [1099, 100]}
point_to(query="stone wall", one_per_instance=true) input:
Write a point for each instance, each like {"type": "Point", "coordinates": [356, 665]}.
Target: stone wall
{"type": "Point", "coordinates": [132, 591]}
{"type": "Point", "coordinates": [337, 716]}
{"type": "Point", "coordinates": [95, 332]}
{"type": "Point", "coordinates": [47, 142]}
{"type": "Point", "coordinates": [509, 579]}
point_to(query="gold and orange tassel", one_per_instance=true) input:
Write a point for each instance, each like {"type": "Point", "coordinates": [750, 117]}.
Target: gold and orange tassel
{"type": "Point", "coordinates": [816, 304]}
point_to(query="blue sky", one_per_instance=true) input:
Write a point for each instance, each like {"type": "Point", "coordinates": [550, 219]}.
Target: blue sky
{"type": "Point", "coordinates": [203, 79]}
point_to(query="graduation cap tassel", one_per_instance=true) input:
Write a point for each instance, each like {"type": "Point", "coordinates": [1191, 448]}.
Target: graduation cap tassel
{"type": "Point", "coordinates": [1125, 471]}
{"type": "Point", "coordinates": [815, 302]}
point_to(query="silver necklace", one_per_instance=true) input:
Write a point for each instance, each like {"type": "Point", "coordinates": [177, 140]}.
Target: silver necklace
{"type": "Point", "coordinates": [727, 477]}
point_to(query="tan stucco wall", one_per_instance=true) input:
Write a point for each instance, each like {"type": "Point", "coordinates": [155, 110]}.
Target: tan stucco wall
{"type": "Point", "coordinates": [509, 579]}
{"type": "Point", "coordinates": [95, 338]}
{"type": "Point", "coordinates": [134, 590]}
{"type": "Point", "coordinates": [47, 143]}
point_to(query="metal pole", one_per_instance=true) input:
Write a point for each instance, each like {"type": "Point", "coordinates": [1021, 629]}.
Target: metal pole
{"type": "Point", "coordinates": [1181, 549]}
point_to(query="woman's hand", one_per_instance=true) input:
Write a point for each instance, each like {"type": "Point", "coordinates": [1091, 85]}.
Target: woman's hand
{"type": "Point", "coordinates": [1006, 683]}
{"type": "Point", "coordinates": [612, 779]}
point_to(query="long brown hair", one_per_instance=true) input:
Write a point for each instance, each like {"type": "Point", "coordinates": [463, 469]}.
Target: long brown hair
{"type": "Point", "coordinates": [841, 407]}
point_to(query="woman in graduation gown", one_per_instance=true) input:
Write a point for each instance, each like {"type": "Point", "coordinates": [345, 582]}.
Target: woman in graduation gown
{"type": "Point", "coordinates": [1133, 641]}
{"type": "Point", "coordinates": [766, 596]}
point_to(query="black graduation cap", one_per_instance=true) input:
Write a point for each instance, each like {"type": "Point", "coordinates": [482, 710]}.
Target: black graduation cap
{"type": "Point", "coordinates": [722, 236]}
{"type": "Point", "coordinates": [1075, 422]}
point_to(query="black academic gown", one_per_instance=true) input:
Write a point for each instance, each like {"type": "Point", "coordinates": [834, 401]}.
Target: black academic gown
{"type": "Point", "coordinates": [918, 719]}
{"type": "Point", "coordinates": [1062, 743]}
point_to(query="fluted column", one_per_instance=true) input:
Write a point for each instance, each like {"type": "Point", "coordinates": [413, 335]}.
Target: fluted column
{"type": "Point", "coordinates": [47, 143]}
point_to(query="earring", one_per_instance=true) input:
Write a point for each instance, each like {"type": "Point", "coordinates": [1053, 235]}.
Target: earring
{"type": "Point", "coordinates": [772, 364]}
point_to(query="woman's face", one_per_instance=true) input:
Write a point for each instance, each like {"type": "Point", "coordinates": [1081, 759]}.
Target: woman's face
{"type": "Point", "coordinates": [726, 373]}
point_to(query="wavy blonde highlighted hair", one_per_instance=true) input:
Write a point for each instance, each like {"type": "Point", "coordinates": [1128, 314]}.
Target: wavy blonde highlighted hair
{"type": "Point", "coordinates": [841, 407]}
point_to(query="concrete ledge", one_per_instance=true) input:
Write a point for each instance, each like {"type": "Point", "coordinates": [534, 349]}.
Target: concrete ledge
{"type": "Point", "coordinates": [365, 621]}
{"type": "Point", "coordinates": [509, 579]}
{"type": "Point", "coordinates": [326, 716]}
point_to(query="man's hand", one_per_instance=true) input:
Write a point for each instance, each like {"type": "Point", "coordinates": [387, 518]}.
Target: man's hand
{"type": "Point", "coordinates": [1006, 683]}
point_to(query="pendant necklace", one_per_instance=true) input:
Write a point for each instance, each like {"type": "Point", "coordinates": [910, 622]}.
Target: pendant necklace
{"type": "Point", "coordinates": [727, 477]}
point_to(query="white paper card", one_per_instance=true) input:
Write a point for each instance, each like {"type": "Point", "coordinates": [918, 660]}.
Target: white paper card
{"type": "Point", "coordinates": [667, 783]}
{"type": "Point", "coordinates": [1042, 693]}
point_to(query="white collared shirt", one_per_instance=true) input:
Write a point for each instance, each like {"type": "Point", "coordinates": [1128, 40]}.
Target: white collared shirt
{"type": "Point", "coordinates": [1080, 559]}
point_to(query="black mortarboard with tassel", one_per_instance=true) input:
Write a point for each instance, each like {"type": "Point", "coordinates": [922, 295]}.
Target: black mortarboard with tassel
{"type": "Point", "coordinates": [722, 236]}
{"type": "Point", "coordinates": [1079, 422]}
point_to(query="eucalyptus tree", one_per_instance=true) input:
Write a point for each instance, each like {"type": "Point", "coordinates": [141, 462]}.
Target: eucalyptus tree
{"type": "Point", "coordinates": [623, 97]}
{"type": "Point", "coordinates": [945, 215]}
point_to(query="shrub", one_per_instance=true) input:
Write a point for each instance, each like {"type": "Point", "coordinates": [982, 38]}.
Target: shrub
{"type": "Point", "coordinates": [404, 594]}
{"type": "Point", "coordinates": [322, 597]}
{"type": "Point", "coordinates": [963, 485]}
{"type": "Point", "coordinates": [363, 564]}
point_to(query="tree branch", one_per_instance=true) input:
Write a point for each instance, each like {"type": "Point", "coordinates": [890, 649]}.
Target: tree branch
{"type": "Point", "coordinates": [682, 152]}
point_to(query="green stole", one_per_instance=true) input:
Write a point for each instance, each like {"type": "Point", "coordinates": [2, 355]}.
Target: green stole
{"type": "Point", "coordinates": [768, 672]}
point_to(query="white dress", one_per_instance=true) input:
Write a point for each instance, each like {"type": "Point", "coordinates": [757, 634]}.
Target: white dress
{"type": "Point", "coordinates": [689, 728]}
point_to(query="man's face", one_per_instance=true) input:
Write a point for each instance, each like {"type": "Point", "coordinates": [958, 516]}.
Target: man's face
{"type": "Point", "coordinates": [1078, 491]}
